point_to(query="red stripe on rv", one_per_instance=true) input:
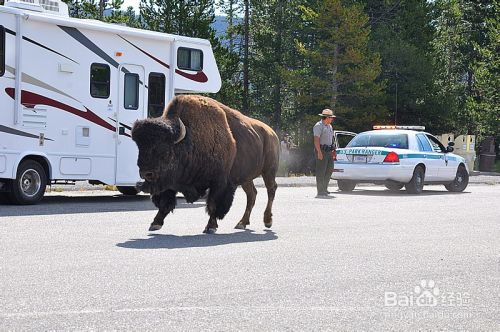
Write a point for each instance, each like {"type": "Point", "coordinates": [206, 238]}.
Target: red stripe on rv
{"type": "Point", "coordinates": [30, 99]}
{"type": "Point", "coordinates": [198, 77]}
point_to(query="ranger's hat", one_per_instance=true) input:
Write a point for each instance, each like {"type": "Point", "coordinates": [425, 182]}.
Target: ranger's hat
{"type": "Point", "coordinates": [327, 113]}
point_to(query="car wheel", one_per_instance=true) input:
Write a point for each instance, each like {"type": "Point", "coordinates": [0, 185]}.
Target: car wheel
{"type": "Point", "coordinates": [460, 182]}
{"type": "Point", "coordinates": [394, 186]}
{"type": "Point", "coordinates": [128, 191]}
{"type": "Point", "coordinates": [30, 183]}
{"type": "Point", "coordinates": [416, 184]}
{"type": "Point", "coordinates": [346, 185]}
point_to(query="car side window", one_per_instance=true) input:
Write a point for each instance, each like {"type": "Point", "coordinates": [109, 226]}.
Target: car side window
{"type": "Point", "coordinates": [423, 143]}
{"type": "Point", "coordinates": [436, 145]}
{"type": "Point", "coordinates": [343, 139]}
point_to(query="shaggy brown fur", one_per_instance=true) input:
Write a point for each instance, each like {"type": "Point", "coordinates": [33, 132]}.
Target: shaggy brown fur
{"type": "Point", "coordinates": [222, 149]}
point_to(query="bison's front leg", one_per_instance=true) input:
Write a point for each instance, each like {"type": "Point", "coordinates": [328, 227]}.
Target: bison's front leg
{"type": "Point", "coordinates": [219, 202]}
{"type": "Point", "coordinates": [165, 202]}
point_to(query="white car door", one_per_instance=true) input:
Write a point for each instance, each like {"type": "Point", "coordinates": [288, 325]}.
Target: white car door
{"type": "Point", "coordinates": [430, 158]}
{"type": "Point", "coordinates": [447, 166]}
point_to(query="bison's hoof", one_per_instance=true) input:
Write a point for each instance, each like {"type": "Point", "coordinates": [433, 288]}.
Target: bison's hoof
{"type": "Point", "coordinates": [210, 230]}
{"type": "Point", "coordinates": [155, 227]}
{"type": "Point", "coordinates": [268, 225]}
{"type": "Point", "coordinates": [240, 226]}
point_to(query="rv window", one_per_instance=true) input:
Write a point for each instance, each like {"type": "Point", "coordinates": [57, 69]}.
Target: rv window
{"type": "Point", "coordinates": [156, 94]}
{"type": "Point", "coordinates": [99, 80]}
{"type": "Point", "coordinates": [131, 91]}
{"type": "Point", "coordinates": [190, 59]}
{"type": "Point", "coordinates": [2, 50]}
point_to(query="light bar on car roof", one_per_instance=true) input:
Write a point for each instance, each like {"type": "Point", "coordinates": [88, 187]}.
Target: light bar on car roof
{"type": "Point", "coordinates": [399, 127]}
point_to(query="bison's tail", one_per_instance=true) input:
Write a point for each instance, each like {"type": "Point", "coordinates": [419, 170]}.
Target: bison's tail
{"type": "Point", "coordinates": [225, 201]}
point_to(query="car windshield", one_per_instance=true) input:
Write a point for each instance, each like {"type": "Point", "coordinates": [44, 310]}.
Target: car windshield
{"type": "Point", "coordinates": [397, 141]}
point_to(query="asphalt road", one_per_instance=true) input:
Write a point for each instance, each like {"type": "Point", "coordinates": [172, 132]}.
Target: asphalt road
{"type": "Point", "coordinates": [369, 260]}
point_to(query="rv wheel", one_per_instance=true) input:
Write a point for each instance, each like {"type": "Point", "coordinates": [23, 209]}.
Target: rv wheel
{"type": "Point", "coordinates": [29, 185]}
{"type": "Point", "coordinates": [128, 191]}
{"type": "Point", "coordinates": [4, 198]}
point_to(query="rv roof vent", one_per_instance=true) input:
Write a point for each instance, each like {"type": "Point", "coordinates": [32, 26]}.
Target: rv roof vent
{"type": "Point", "coordinates": [55, 7]}
{"type": "Point", "coordinates": [24, 4]}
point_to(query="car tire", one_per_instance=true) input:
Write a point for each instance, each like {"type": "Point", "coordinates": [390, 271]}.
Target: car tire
{"type": "Point", "coordinates": [127, 191]}
{"type": "Point", "coordinates": [416, 184]}
{"type": "Point", "coordinates": [30, 183]}
{"type": "Point", "coordinates": [394, 186]}
{"type": "Point", "coordinates": [346, 185]}
{"type": "Point", "coordinates": [460, 182]}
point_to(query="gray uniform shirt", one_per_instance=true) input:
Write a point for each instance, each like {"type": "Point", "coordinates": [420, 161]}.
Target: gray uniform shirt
{"type": "Point", "coordinates": [324, 132]}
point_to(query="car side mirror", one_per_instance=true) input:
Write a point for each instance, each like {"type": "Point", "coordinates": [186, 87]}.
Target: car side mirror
{"type": "Point", "coordinates": [449, 148]}
{"type": "Point", "coordinates": [451, 143]}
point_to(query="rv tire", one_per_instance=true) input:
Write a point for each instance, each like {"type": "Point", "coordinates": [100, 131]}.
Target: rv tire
{"type": "Point", "coordinates": [4, 198]}
{"type": "Point", "coordinates": [30, 183]}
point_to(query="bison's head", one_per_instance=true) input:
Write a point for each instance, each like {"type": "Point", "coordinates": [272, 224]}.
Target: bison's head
{"type": "Point", "coordinates": [157, 139]}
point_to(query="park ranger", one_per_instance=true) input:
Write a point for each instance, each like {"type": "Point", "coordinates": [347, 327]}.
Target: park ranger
{"type": "Point", "coordinates": [323, 147]}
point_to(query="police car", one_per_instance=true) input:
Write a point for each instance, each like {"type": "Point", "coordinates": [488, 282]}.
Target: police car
{"type": "Point", "coordinates": [397, 156]}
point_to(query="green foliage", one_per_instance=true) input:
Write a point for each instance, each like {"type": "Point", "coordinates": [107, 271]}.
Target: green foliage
{"type": "Point", "coordinates": [187, 18]}
{"type": "Point", "coordinates": [107, 11]}
{"type": "Point", "coordinates": [433, 63]}
{"type": "Point", "coordinates": [339, 70]}
{"type": "Point", "coordinates": [467, 59]}
{"type": "Point", "coordinates": [273, 54]}
{"type": "Point", "coordinates": [228, 54]}
{"type": "Point", "coordinates": [402, 35]}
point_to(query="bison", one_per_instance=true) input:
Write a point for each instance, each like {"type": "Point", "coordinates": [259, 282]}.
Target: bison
{"type": "Point", "coordinates": [199, 144]}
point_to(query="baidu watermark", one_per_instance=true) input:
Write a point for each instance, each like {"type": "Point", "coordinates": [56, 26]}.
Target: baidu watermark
{"type": "Point", "coordinates": [427, 294]}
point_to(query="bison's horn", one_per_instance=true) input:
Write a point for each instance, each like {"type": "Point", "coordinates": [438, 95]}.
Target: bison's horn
{"type": "Point", "coordinates": [182, 132]}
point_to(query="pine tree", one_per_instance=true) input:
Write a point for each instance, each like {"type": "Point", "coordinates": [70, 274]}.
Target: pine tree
{"type": "Point", "coordinates": [267, 60]}
{"type": "Point", "coordinates": [467, 48]}
{"type": "Point", "coordinates": [229, 54]}
{"type": "Point", "coordinates": [107, 11]}
{"type": "Point", "coordinates": [339, 70]}
{"type": "Point", "coordinates": [186, 18]}
{"type": "Point", "coordinates": [402, 33]}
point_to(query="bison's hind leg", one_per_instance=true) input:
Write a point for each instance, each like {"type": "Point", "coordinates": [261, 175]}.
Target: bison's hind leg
{"type": "Point", "coordinates": [251, 192]}
{"type": "Point", "coordinates": [219, 202]}
{"type": "Point", "coordinates": [271, 185]}
{"type": "Point", "coordinates": [165, 202]}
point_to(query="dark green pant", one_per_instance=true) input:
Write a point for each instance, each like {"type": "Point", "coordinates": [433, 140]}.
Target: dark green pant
{"type": "Point", "coordinates": [324, 170]}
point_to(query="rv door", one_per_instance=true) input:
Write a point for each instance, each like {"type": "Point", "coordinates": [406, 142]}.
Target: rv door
{"type": "Point", "coordinates": [130, 108]}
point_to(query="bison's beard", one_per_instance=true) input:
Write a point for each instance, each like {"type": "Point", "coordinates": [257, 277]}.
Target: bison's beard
{"type": "Point", "coordinates": [158, 185]}
{"type": "Point", "coordinates": [144, 186]}
{"type": "Point", "coordinates": [153, 188]}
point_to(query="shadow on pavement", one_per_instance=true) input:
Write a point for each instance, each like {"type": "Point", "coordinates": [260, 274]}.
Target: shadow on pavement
{"type": "Point", "coordinates": [89, 204]}
{"type": "Point", "coordinates": [165, 241]}
{"type": "Point", "coordinates": [401, 193]}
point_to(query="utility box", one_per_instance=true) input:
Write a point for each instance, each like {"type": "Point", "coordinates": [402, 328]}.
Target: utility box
{"type": "Point", "coordinates": [465, 146]}
{"type": "Point", "coordinates": [446, 138]}
{"type": "Point", "coordinates": [465, 143]}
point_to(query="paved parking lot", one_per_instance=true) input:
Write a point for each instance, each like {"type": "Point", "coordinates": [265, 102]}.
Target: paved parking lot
{"type": "Point", "coordinates": [367, 260]}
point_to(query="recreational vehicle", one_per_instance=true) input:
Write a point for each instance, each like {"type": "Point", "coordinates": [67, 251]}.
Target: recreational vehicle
{"type": "Point", "coordinates": [71, 89]}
